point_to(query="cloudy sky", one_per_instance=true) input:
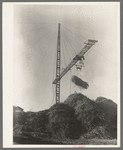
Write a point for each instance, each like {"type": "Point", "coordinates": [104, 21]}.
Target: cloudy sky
{"type": "Point", "coordinates": [35, 29]}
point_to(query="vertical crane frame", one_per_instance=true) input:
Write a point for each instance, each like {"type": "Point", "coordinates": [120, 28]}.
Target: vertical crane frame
{"type": "Point", "coordinates": [58, 64]}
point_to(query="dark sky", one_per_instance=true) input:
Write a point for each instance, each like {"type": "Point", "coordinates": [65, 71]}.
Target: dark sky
{"type": "Point", "coordinates": [35, 45]}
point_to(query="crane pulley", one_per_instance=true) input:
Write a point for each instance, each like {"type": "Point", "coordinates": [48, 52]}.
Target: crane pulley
{"type": "Point", "coordinates": [80, 64]}
{"type": "Point", "coordinates": [78, 57]}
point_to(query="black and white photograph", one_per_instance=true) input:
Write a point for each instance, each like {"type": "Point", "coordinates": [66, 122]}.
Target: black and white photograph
{"type": "Point", "coordinates": [61, 74]}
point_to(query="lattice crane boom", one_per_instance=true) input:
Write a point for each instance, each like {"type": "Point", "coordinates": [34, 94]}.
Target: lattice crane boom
{"type": "Point", "coordinates": [78, 57]}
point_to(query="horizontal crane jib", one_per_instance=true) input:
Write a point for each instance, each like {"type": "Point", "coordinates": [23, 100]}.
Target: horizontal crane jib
{"type": "Point", "coordinates": [78, 57]}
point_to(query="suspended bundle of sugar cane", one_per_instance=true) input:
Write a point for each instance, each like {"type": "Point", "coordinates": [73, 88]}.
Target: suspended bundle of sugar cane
{"type": "Point", "coordinates": [79, 82]}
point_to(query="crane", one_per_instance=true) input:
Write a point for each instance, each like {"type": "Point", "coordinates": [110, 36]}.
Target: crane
{"type": "Point", "coordinates": [78, 57]}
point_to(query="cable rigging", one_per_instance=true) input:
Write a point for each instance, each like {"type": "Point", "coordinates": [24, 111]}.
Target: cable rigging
{"type": "Point", "coordinates": [68, 48]}
{"type": "Point", "coordinates": [33, 30]}
{"type": "Point", "coordinates": [104, 57]}
{"type": "Point", "coordinates": [63, 51]}
{"type": "Point", "coordinates": [71, 41]}
{"type": "Point", "coordinates": [72, 45]}
{"type": "Point", "coordinates": [33, 23]}
{"type": "Point", "coordinates": [36, 42]}
{"type": "Point", "coordinates": [68, 41]}
{"type": "Point", "coordinates": [69, 44]}
{"type": "Point", "coordinates": [73, 34]}
{"type": "Point", "coordinates": [63, 59]}
{"type": "Point", "coordinates": [78, 28]}
{"type": "Point", "coordinates": [46, 52]}
{"type": "Point", "coordinates": [42, 60]}
{"type": "Point", "coordinates": [92, 82]}
{"type": "Point", "coordinates": [74, 39]}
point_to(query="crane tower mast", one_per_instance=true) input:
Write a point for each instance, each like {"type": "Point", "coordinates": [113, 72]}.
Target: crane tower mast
{"type": "Point", "coordinates": [58, 63]}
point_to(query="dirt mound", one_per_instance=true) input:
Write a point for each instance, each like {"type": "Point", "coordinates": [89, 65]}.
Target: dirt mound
{"type": "Point", "coordinates": [27, 122]}
{"type": "Point", "coordinates": [19, 118]}
{"type": "Point", "coordinates": [17, 130]}
{"type": "Point", "coordinates": [86, 110]}
{"type": "Point", "coordinates": [110, 109]}
{"type": "Point", "coordinates": [59, 121]}
{"type": "Point", "coordinates": [77, 116]}
{"type": "Point", "coordinates": [100, 132]}
{"type": "Point", "coordinates": [36, 121]}
{"type": "Point", "coordinates": [75, 99]}
{"type": "Point", "coordinates": [63, 121]}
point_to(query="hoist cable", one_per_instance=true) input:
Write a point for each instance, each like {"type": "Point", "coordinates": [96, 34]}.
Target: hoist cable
{"type": "Point", "coordinates": [90, 88]}
{"type": "Point", "coordinates": [92, 81]}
